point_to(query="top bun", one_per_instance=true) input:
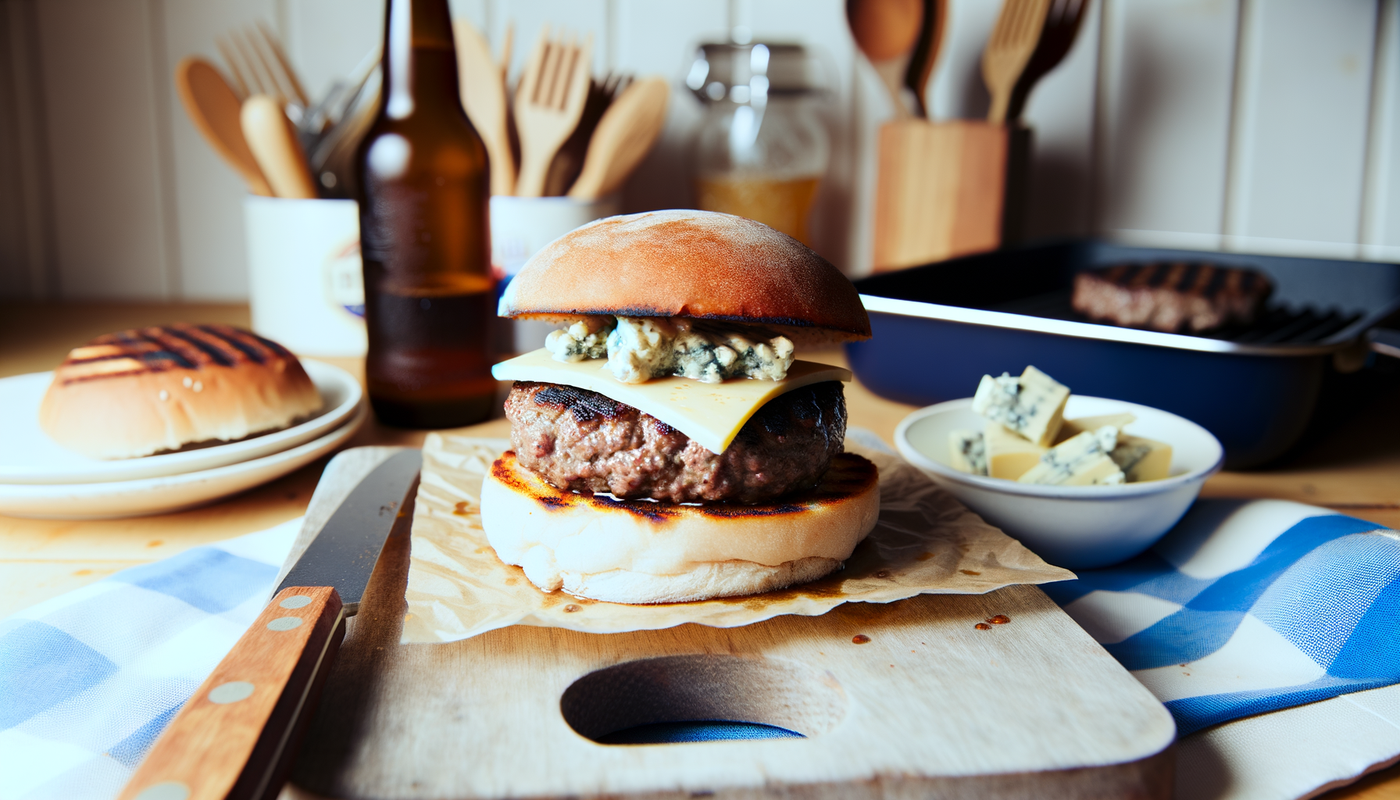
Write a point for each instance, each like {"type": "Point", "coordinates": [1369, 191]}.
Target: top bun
{"type": "Point", "coordinates": [698, 264]}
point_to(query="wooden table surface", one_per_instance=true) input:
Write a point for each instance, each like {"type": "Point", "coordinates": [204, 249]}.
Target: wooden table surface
{"type": "Point", "coordinates": [1351, 463]}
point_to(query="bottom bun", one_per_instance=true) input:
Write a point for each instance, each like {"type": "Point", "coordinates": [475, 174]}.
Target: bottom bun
{"type": "Point", "coordinates": [640, 551]}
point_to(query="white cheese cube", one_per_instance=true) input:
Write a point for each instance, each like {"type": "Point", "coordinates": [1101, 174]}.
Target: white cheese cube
{"type": "Point", "coordinates": [1076, 426]}
{"type": "Point", "coordinates": [1142, 459]}
{"type": "Point", "coordinates": [967, 452]}
{"type": "Point", "coordinates": [1008, 455]}
{"type": "Point", "coordinates": [1032, 405]}
{"type": "Point", "coordinates": [1080, 461]}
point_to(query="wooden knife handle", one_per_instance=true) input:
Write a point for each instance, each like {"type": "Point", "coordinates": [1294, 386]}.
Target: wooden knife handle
{"type": "Point", "coordinates": [236, 735]}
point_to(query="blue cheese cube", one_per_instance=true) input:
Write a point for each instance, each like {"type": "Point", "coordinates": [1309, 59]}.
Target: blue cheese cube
{"type": "Point", "coordinates": [1076, 426]}
{"type": "Point", "coordinates": [967, 452]}
{"type": "Point", "coordinates": [1142, 459]}
{"type": "Point", "coordinates": [1082, 460]}
{"type": "Point", "coordinates": [1031, 406]}
{"type": "Point", "coordinates": [1008, 455]}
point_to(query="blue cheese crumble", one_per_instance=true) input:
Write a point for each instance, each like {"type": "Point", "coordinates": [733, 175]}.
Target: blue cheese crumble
{"type": "Point", "coordinates": [639, 349]}
{"type": "Point", "coordinates": [584, 339]}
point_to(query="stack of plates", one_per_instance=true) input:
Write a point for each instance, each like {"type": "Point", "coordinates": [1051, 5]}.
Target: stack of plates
{"type": "Point", "coordinates": [40, 479]}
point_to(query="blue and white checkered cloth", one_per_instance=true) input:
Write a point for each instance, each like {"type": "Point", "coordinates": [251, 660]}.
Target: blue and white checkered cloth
{"type": "Point", "coordinates": [90, 678]}
{"type": "Point", "coordinates": [1245, 607]}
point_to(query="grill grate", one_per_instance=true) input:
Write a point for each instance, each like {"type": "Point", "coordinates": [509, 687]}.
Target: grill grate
{"type": "Point", "coordinates": [1278, 324]}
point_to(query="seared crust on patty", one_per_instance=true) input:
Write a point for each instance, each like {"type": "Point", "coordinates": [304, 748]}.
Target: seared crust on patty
{"type": "Point", "coordinates": [586, 442]}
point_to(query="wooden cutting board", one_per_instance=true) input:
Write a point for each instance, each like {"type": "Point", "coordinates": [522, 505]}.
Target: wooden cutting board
{"type": "Point", "coordinates": [905, 699]}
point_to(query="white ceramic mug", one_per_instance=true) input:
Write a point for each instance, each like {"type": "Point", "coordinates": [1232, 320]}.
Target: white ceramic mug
{"type": "Point", "coordinates": [521, 227]}
{"type": "Point", "coordinates": [307, 288]}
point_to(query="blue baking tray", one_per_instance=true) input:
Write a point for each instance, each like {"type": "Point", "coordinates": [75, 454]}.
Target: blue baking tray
{"type": "Point", "coordinates": [939, 328]}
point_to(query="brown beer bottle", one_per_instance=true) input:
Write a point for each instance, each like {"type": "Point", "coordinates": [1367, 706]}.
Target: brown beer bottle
{"type": "Point", "coordinates": [424, 235]}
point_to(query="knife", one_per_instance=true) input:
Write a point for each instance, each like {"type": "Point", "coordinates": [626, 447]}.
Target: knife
{"type": "Point", "coordinates": [236, 735]}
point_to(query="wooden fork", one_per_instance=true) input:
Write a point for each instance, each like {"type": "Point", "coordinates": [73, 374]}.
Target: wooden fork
{"type": "Point", "coordinates": [260, 65]}
{"type": "Point", "coordinates": [1009, 50]}
{"type": "Point", "coordinates": [548, 104]}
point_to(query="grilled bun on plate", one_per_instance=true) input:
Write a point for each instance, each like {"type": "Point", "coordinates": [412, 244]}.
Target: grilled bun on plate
{"type": "Point", "coordinates": [149, 390]}
{"type": "Point", "coordinates": [667, 446]}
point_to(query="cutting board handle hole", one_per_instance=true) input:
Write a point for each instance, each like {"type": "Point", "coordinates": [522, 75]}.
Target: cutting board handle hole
{"type": "Point", "coordinates": [659, 692]}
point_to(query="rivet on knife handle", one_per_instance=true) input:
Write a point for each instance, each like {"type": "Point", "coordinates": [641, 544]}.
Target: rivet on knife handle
{"type": "Point", "coordinates": [216, 747]}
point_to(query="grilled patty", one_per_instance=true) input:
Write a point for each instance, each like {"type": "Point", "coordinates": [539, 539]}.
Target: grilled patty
{"type": "Point", "coordinates": [587, 442]}
{"type": "Point", "coordinates": [1174, 297]}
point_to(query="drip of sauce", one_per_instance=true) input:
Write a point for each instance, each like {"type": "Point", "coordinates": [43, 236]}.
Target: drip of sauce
{"type": "Point", "coordinates": [999, 619]}
{"type": "Point", "coordinates": [982, 626]}
{"type": "Point", "coordinates": [860, 638]}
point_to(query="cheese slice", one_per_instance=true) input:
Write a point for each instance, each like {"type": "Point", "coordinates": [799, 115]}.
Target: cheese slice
{"type": "Point", "coordinates": [709, 413]}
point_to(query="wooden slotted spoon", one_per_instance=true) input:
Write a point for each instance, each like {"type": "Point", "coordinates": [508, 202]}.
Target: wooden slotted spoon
{"type": "Point", "coordinates": [1009, 50]}
{"type": "Point", "coordinates": [548, 104]}
{"type": "Point", "coordinates": [214, 108]}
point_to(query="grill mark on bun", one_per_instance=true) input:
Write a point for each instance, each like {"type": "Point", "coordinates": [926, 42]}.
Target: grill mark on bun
{"type": "Point", "coordinates": [213, 352]}
{"type": "Point", "coordinates": [165, 347]}
{"type": "Point", "coordinates": [255, 350]}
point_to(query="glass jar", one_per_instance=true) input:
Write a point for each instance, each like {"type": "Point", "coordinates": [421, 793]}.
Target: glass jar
{"type": "Point", "coordinates": [761, 148]}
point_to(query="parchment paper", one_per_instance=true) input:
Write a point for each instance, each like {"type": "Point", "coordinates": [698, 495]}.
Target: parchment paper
{"type": "Point", "coordinates": [925, 543]}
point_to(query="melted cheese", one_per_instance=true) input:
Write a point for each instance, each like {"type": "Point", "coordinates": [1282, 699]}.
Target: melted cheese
{"type": "Point", "coordinates": [709, 413]}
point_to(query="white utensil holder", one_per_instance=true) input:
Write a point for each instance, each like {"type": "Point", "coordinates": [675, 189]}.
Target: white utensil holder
{"type": "Point", "coordinates": [306, 280]}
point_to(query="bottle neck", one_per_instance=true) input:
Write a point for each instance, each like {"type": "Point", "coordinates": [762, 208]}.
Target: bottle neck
{"type": "Point", "coordinates": [420, 64]}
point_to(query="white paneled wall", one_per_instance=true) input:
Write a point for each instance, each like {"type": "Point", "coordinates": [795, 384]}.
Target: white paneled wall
{"type": "Point", "coordinates": [1253, 125]}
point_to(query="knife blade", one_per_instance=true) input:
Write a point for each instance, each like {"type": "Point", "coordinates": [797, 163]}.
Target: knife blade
{"type": "Point", "coordinates": [236, 735]}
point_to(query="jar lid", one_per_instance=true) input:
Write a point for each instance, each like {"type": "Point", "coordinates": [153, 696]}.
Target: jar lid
{"type": "Point", "coordinates": [745, 73]}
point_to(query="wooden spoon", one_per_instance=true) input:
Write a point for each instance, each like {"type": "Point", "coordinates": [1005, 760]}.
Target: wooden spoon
{"type": "Point", "coordinates": [925, 56]}
{"type": "Point", "coordinates": [273, 140]}
{"type": "Point", "coordinates": [624, 136]}
{"type": "Point", "coordinates": [887, 31]}
{"type": "Point", "coordinates": [1014, 40]}
{"type": "Point", "coordinates": [484, 98]}
{"type": "Point", "coordinates": [214, 109]}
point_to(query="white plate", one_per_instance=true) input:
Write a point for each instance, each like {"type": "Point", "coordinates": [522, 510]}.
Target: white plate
{"type": "Point", "coordinates": [28, 455]}
{"type": "Point", "coordinates": [167, 493]}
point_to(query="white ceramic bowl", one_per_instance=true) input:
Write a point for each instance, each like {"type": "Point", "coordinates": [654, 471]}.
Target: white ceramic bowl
{"type": "Point", "coordinates": [1077, 527]}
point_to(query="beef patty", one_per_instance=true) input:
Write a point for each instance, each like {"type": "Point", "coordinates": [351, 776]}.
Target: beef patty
{"type": "Point", "coordinates": [587, 442]}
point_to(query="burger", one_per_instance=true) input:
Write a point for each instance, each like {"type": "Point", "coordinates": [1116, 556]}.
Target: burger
{"type": "Point", "coordinates": [667, 445]}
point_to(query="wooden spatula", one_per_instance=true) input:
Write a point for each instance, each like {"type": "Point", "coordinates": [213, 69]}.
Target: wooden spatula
{"type": "Point", "coordinates": [624, 136]}
{"type": "Point", "coordinates": [1009, 50]}
{"type": "Point", "coordinates": [1061, 27]}
{"type": "Point", "coordinates": [273, 140]}
{"type": "Point", "coordinates": [214, 109]}
{"type": "Point", "coordinates": [548, 104]}
{"type": "Point", "coordinates": [484, 97]}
